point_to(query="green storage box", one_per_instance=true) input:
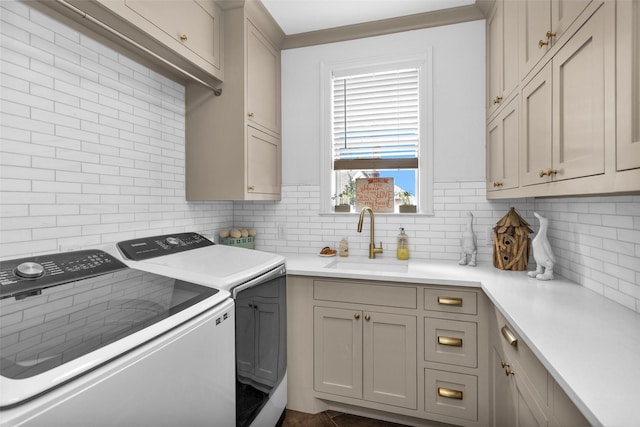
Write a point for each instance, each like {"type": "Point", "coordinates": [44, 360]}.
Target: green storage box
{"type": "Point", "coordinates": [242, 242]}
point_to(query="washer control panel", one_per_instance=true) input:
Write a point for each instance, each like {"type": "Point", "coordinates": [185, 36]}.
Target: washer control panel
{"type": "Point", "coordinates": [28, 276]}
{"type": "Point", "coordinates": [155, 246]}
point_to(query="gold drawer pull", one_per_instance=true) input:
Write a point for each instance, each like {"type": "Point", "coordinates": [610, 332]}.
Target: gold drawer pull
{"type": "Point", "coordinates": [456, 302]}
{"type": "Point", "coordinates": [449, 341]}
{"type": "Point", "coordinates": [449, 393]}
{"type": "Point", "coordinates": [509, 336]}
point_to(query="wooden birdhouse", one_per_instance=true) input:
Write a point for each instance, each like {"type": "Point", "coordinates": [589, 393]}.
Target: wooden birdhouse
{"type": "Point", "coordinates": [511, 243]}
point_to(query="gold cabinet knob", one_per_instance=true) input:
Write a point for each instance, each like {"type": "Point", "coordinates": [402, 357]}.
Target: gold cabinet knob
{"type": "Point", "coordinates": [250, 114]}
{"type": "Point", "coordinates": [548, 172]}
{"type": "Point", "coordinates": [504, 364]}
{"type": "Point", "coordinates": [509, 372]}
{"type": "Point", "coordinates": [497, 100]}
{"type": "Point", "coordinates": [497, 184]}
{"type": "Point", "coordinates": [356, 316]}
{"type": "Point", "coordinates": [542, 43]}
{"type": "Point", "coordinates": [550, 34]}
{"type": "Point", "coordinates": [367, 317]}
{"type": "Point", "coordinates": [252, 187]}
{"type": "Point", "coordinates": [184, 37]}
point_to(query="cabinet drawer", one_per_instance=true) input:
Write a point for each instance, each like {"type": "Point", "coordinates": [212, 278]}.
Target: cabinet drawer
{"type": "Point", "coordinates": [365, 293]}
{"type": "Point", "coordinates": [525, 364]}
{"type": "Point", "coordinates": [451, 394]}
{"type": "Point", "coordinates": [450, 301]}
{"type": "Point", "coordinates": [451, 341]}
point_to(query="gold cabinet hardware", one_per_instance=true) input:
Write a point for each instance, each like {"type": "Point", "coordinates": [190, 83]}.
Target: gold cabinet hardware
{"type": "Point", "coordinates": [504, 364]}
{"type": "Point", "coordinates": [252, 187]}
{"type": "Point", "coordinates": [250, 114]}
{"type": "Point", "coordinates": [367, 317]}
{"type": "Point", "coordinates": [548, 172]}
{"type": "Point", "coordinates": [452, 301]}
{"type": "Point", "coordinates": [497, 184]}
{"type": "Point", "coordinates": [497, 100]}
{"type": "Point", "coordinates": [450, 393]}
{"type": "Point", "coordinates": [450, 341]}
{"type": "Point", "coordinates": [509, 336]}
{"type": "Point", "coordinates": [551, 34]}
{"type": "Point", "coordinates": [543, 43]}
{"type": "Point", "coordinates": [509, 371]}
{"type": "Point", "coordinates": [184, 37]}
{"type": "Point", "coordinates": [356, 316]}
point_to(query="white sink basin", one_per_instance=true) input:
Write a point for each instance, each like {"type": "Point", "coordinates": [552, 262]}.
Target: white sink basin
{"type": "Point", "coordinates": [366, 264]}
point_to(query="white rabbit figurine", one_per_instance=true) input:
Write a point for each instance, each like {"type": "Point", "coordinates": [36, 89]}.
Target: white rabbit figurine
{"type": "Point", "coordinates": [542, 253]}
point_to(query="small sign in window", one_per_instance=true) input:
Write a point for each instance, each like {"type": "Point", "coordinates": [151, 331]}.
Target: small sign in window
{"type": "Point", "coordinates": [377, 193]}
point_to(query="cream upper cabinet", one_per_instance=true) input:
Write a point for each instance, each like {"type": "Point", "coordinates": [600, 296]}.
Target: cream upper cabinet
{"type": "Point", "coordinates": [535, 139]}
{"type": "Point", "coordinates": [502, 54]}
{"type": "Point", "coordinates": [195, 25]}
{"type": "Point", "coordinates": [628, 85]}
{"type": "Point", "coordinates": [263, 81]}
{"type": "Point", "coordinates": [233, 147]}
{"type": "Point", "coordinates": [184, 34]}
{"type": "Point", "coordinates": [502, 148]}
{"type": "Point", "coordinates": [542, 24]}
{"type": "Point", "coordinates": [564, 111]}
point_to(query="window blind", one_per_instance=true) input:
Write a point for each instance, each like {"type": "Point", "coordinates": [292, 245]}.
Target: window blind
{"type": "Point", "coordinates": [376, 120]}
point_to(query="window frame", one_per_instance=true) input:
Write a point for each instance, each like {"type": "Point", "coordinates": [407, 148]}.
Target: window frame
{"type": "Point", "coordinates": [420, 60]}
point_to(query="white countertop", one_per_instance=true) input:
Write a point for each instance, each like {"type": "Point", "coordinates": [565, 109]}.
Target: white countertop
{"type": "Point", "coordinates": [589, 344]}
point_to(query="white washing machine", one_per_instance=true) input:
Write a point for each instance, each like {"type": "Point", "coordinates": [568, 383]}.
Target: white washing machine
{"type": "Point", "coordinates": [257, 283]}
{"type": "Point", "coordinates": [85, 340]}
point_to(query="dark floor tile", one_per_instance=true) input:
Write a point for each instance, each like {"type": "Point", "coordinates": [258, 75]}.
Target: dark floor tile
{"type": "Point", "coordinates": [300, 419]}
{"type": "Point", "coordinates": [347, 420]}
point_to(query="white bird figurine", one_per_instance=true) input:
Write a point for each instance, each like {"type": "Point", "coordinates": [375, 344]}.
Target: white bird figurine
{"type": "Point", "coordinates": [468, 243]}
{"type": "Point", "coordinates": [542, 253]}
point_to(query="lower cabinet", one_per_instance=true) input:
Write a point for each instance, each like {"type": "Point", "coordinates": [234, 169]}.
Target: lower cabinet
{"type": "Point", "coordinates": [523, 393]}
{"type": "Point", "coordinates": [366, 355]}
{"type": "Point", "coordinates": [414, 354]}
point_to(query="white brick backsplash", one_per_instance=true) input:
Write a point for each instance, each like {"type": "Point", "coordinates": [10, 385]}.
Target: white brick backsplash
{"type": "Point", "coordinates": [92, 152]}
{"type": "Point", "coordinates": [92, 143]}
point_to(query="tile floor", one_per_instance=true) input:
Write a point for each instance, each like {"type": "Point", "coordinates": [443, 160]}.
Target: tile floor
{"type": "Point", "coordinates": [331, 419]}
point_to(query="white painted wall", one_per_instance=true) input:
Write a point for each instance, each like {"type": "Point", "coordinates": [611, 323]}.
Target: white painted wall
{"type": "Point", "coordinates": [458, 84]}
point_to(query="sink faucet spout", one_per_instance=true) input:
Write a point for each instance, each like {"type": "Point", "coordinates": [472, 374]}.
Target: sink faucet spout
{"type": "Point", "coordinates": [372, 245]}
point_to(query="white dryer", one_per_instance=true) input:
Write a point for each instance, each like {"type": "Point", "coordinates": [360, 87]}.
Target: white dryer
{"type": "Point", "coordinates": [257, 283]}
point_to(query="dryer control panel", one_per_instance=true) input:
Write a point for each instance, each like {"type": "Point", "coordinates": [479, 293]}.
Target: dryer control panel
{"type": "Point", "coordinates": [28, 276]}
{"type": "Point", "coordinates": [155, 246]}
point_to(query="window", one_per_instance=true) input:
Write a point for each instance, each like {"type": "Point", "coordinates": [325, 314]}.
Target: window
{"type": "Point", "coordinates": [376, 126]}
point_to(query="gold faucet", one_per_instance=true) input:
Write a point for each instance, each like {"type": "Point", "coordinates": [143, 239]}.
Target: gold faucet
{"type": "Point", "coordinates": [372, 246]}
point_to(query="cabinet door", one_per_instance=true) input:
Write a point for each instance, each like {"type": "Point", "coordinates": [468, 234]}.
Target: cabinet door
{"type": "Point", "coordinates": [263, 164]}
{"type": "Point", "coordinates": [502, 53]}
{"type": "Point", "coordinates": [337, 337]}
{"type": "Point", "coordinates": [263, 81]}
{"type": "Point", "coordinates": [502, 149]}
{"type": "Point", "coordinates": [564, 12]}
{"type": "Point", "coordinates": [502, 395]}
{"type": "Point", "coordinates": [536, 132]}
{"type": "Point", "coordinates": [534, 22]}
{"type": "Point", "coordinates": [494, 57]}
{"type": "Point", "coordinates": [195, 24]}
{"type": "Point", "coordinates": [579, 104]}
{"type": "Point", "coordinates": [389, 359]}
{"type": "Point", "coordinates": [628, 84]}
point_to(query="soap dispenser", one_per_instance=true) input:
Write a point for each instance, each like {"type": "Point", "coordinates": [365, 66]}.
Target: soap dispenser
{"type": "Point", "coordinates": [403, 245]}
